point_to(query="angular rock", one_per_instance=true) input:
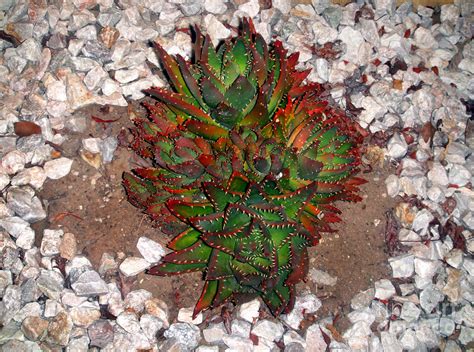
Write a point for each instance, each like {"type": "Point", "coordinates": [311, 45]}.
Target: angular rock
{"type": "Point", "coordinates": [51, 283]}
{"type": "Point", "coordinates": [51, 242]}
{"type": "Point", "coordinates": [88, 283]}
{"type": "Point", "coordinates": [68, 246]}
{"type": "Point", "coordinates": [101, 333]}
{"type": "Point", "coordinates": [249, 311]}
{"type": "Point", "coordinates": [59, 329]}
{"type": "Point", "coordinates": [132, 266]}
{"type": "Point", "coordinates": [185, 315]}
{"type": "Point", "coordinates": [402, 266]}
{"type": "Point", "coordinates": [384, 289]}
{"type": "Point", "coordinates": [34, 327]}
{"type": "Point", "coordinates": [57, 168]}
{"type": "Point", "coordinates": [151, 251]}
{"type": "Point", "coordinates": [269, 330]}
{"type": "Point", "coordinates": [214, 333]}
{"type": "Point", "coordinates": [188, 334]}
{"type": "Point", "coordinates": [150, 326]}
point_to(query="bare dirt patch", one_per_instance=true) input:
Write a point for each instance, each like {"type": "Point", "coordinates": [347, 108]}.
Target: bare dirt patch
{"type": "Point", "coordinates": [104, 221]}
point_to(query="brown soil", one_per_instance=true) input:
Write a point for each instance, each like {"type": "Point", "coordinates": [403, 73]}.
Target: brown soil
{"type": "Point", "coordinates": [104, 221]}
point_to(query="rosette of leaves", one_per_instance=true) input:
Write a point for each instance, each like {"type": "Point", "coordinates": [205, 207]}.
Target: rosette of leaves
{"type": "Point", "coordinates": [248, 162]}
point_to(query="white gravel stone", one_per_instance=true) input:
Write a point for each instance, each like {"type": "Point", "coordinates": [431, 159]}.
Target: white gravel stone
{"type": "Point", "coordinates": [129, 322]}
{"type": "Point", "coordinates": [430, 298]}
{"type": "Point", "coordinates": [216, 29]}
{"type": "Point", "coordinates": [397, 146]}
{"type": "Point", "coordinates": [150, 250]}
{"type": "Point", "coordinates": [216, 7]}
{"type": "Point", "coordinates": [57, 168]}
{"type": "Point", "coordinates": [384, 289]}
{"type": "Point", "coordinates": [454, 258]}
{"type": "Point", "coordinates": [188, 334]}
{"type": "Point", "coordinates": [150, 326]}
{"type": "Point", "coordinates": [410, 312]}
{"type": "Point", "coordinates": [307, 303]}
{"type": "Point", "coordinates": [269, 330]}
{"type": "Point", "coordinates": [390, 342]}
{"type": "Point", "coordinates": [393, 185]}
{"type": "Point", "coordinates": [132, 266]}
{"type": "Point", "coordinates": [51, 242]}
{"type": "Point", "coordinates": [136, 300]}
{"type": "Point", "coordinates": [249, 311]}
{"type": "Point", "coordinates": [437, 175]}
{"type": "Point", "coordinates": [214, 333]}
{"type": "Point", "coordinates": [402, 266]}
{"type": "Point", "coordinates": [89, 283]}
{"type": "Point", "coordinates": [185, 315]}
{"type": "Point", "coordinates": [356, 50]}
{"type": "Point", "coordinates": [426, 268]}
{"type": "Point", "coordinates": [323, 33]}
{"type": "Point", "coordinates": [13, 162]}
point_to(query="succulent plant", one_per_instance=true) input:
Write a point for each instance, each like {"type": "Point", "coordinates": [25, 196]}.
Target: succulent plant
{"type": "Point", "coordinates": [247, 162]}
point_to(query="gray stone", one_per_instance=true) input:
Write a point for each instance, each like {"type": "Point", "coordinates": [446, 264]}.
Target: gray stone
{"type": "Point", "coordinates": [214, 333]}
{"type": "Point", "coordinates": [151, 251]}
{"type": "Point", "coordinates": [95, 78]}
{"type": "Point", "coordinates": [13, 162]}
{"type": "Point", "coordinates": [188, 334]}
{"type": "Point", "coordinates": [34, 327]}
{"type": "Point", "coordinates": [100, 333]}
{"type": "Point", "coordinates": [305, 304]}
{"type": "Point", "coordinates": [108, 147]}
{"type": "Point", "coordinates": [34, 176]}
{"type": "Point", "coordinates": [129, 322]}
{"type": "Point", "coordinates": [426, 268]}
{"type": "Point", "coordinates": [430, 297]}
{"type": "Point", "coordinates": [320, 277]}
{"type": "Point", "coordinates": [150, 325]}
{"type": "Point", "coordinates": [272, 331]}
{"type": "Point", "coordinates": [30, 50]}
{"type": "Point", "coordinates": [58, 168]}
{"type": "Point", "coordinates": [437, 175]}
{"type": "Point", "coordinates": [51, 242]}
{"type": "Point", "coordinates": [390, 342]}
{"type": "Point", "coordinates": [59, 329]}
{"type": "Point", "coordinates": [217, 7]}
{"type": "Point", "coordinates": [89, 283]}
{"type": "Point", "coordinates": [25, 204]}
{"type": "Point", "coordinates": [384, 289]}
{"type": "Point", "coordinates": [136, 300]}
{"type": "Point", "coordinates": [29, 309]}
{"type": "Point", "coordinates": [249, 311]}
{"type": "Point", "coordinates": [132, 266]}
{"type": "Point", "coordinates": [126, 76]}
{"type": "Point", "coordinates": [85, 314]}
{"type": "Point", "coordinates": [397, 146]}
{"type": "Point", "coordinates": [185, 315]}
{"type": "Point", "coordinates": [51, 283]}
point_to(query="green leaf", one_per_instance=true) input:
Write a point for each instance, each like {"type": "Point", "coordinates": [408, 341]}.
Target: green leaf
{"type": "Point", "coordinates": [207, 296]}
{"type": "Point", "coordinates": [184, 240]}
{"type": "Point", "coordinates": [240, 93]}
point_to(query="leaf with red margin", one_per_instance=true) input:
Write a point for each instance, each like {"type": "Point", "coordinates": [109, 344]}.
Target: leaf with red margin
{"type": "Point", "coordinates": [205, 130]}
{"type": "Point", "coordinates": [171, 269]}
{"type": "Point", "coordinates": [207, 296]}
{"type": "Point", "coordinates": [198, 253]}
{"type": "Point", "coordinates": [172, 68]}
{"type": "Point", "coordinates": [184, 240]}
{"type": "Point", "coordinates": [180, 102]}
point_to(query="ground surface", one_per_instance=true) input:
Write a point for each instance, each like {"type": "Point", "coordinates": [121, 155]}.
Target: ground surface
{"type": "Point", "coordinates": [104, 221]}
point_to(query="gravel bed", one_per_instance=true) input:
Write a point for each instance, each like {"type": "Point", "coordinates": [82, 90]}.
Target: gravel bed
{"type": "Point", "coordinates": [407, 74]}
